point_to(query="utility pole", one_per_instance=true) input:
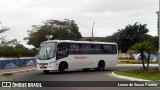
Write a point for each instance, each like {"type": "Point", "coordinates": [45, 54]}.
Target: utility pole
{"type": "Point", "coordinates": [158, 25]}
{"type": "Point", "coordinates": [92, 30]}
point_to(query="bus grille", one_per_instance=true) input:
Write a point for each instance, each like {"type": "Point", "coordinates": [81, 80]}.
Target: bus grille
{"type": "Point", "coordinates": [43, 63]}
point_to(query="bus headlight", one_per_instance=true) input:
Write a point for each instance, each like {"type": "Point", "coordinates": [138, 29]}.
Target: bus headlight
{"type": "Point", "coordinates": [52, 62]}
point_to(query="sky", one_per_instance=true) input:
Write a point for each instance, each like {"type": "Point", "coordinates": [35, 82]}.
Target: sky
{"type": "Point", "coordinates": [108, 15]}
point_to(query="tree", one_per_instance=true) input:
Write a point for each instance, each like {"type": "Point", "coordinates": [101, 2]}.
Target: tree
{"type": "Point", "coordinates": [63, 30]}
{"type": "Point", "coordinates": [142, 47]}
{"type": "Point", "coordinates": [20, 46]}
{"type": "Point", "coordinates": [4, 42]}
{"type": "Point", "coordinates": [12, 48]}
{"type": "Point", "coordinates": [2, 38]}
{"type": "Point", "coordinates": [25, 52]}
{"type": "Point", "coordinates": [12, 42]}
{"type": "Point", "coordinates": [130, 35]}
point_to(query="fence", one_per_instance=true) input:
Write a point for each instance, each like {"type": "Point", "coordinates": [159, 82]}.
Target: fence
{"type": "Point", "coordinates": [12, 63]}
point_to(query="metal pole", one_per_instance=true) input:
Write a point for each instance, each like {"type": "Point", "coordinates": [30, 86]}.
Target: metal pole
{"type": "Point", "coordinates": [159, 35]}
{"type": "Point", "coordinates": [92, 30]}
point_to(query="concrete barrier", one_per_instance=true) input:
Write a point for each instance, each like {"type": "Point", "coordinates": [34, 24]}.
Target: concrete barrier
{"type": "Point", "coordinates": [12, 63]}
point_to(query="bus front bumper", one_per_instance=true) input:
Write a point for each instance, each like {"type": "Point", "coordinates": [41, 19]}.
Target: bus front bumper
{"type": "Point", "coordinates": [47, 66]}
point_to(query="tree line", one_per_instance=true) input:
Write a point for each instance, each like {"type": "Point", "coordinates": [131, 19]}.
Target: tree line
{"type": "Point", "coordinates": [134, 39]}
{"type": "Point", "coordinates": [68, 30]}
{"type": "Point", "coordinates": [60, 29]}
{"type": "Point", "coordinates": [13, 48]}
{"type": "Point", "coordinates": [132, 34]}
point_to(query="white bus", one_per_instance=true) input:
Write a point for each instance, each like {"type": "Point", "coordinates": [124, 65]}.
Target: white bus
{"type": "Point", "coordinates": [65, 54]}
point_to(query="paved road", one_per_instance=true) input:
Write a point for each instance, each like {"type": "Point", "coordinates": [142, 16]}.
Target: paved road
{"type": "Point", "coordinates": [77, 75]}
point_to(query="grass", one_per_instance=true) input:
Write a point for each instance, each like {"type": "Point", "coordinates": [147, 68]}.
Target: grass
{"type": "Point", "coordinates": [130, 61]}
{"type": "Point", "coordinates": [151, 74]}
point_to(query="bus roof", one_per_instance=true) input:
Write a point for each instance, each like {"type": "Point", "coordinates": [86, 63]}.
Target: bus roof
{"type": "Point", "coordinates": [71, 41]}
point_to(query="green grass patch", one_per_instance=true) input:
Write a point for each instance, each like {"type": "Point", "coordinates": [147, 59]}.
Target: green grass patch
{"type": "Point", "coordinates": [129, 61]}
{"type": "Point", "coordinates": [151, 74]}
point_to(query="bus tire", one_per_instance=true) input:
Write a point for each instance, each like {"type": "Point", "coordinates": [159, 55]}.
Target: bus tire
{"type": "Point", "coordinates": [101, 66]}
{"type": "Point", "coordinates": [46, 71]}
{"type": "Point", "coordinates": [62, 68]}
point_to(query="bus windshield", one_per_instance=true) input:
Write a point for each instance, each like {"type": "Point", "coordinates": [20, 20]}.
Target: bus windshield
{"type": "Point", "coordinates": [47, 51]}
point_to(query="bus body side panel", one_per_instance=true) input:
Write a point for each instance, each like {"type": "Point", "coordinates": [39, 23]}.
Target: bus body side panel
{"type": "Point", "coordinates": [89, 61]}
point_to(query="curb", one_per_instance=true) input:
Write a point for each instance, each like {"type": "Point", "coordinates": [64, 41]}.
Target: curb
{"type": "Point", "coordinates": [128, 78]}
{"type": "Point", "coordinates": [14, 72]}
{"type": "Point", "coordinates": [152, 65]}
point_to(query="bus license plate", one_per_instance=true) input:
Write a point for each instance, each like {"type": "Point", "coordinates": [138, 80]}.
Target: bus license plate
{"type": "Point", "coordinates": [43, 67]}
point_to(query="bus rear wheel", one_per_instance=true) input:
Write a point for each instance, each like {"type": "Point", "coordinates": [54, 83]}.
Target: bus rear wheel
{"type": "Point", "coordinates": [46, 71]}
{"type": "Point", "coordinates": [62, 68]}
{"type": "Point", "coordinates": [101, 66]}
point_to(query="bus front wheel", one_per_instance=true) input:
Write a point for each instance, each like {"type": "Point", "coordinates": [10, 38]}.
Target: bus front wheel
{"type": "Point", "coordinates": [46, 71]}
{"type": "Point", "coordinates": [62, 68]}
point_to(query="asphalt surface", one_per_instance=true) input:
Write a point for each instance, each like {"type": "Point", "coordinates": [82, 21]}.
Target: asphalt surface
{"type": "Point", "coordinates": [76, 75]}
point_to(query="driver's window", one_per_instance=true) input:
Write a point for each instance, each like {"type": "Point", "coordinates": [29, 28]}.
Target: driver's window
{"type": "Point", "coordinates": [62, 50]}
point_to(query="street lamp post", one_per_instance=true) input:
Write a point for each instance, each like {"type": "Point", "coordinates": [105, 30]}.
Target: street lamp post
{"type": "Point", "coordinates": [90, 30]}
{"type": "Point", "coordinates": [159, 35]}
{"type": "Point", "coordinates": [158, 26]}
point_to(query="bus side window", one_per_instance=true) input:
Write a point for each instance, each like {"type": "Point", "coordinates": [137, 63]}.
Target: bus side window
{"type": "Point", "coordinates": [85, 48]}
{"type": "Point", "coordinates": [74, 49]}
{"type": "Point", "coordinates": [62, 50]}
{"type": "Point", "coordinates": [109, 49]}
{"type": "Point", "coordinates": [114, 49]}
{"type": "Point", "coordinates": [96, 49]}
